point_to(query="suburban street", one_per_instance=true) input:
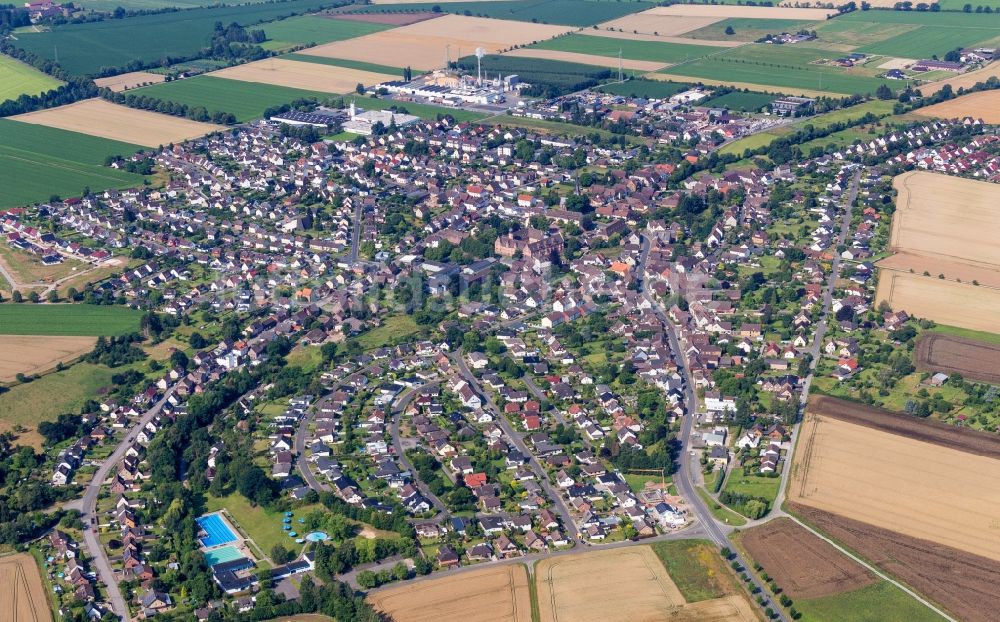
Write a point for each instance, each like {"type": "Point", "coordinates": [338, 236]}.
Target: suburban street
{"type": "Point", "coordinates": [402, 401]}
{"type": "Point", "coordinates": [88, 504]}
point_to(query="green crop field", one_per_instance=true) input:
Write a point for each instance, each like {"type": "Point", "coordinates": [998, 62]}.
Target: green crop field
{"type": "Point", "coordinates": [52, 395]}
{"type": "Point", "coordinates": [246, 100]}
{"type": "Point", "coordinates": [84, 49]}
{"type": "Point", "coordinates": [306, 29]}
{"type": "Point", "coordinates": [748, 29]}
{"type": "Point", "coordinates": [912, 34]}
{"type": "Point", "coordinates": [566, 12]}
{"type": "Point", "coordinates": [350, 64]}
{"type": "Point", "coordinates": [666, 53]}
{"type": "Point", "coordinates": [655, 89]}
{"type": "Point", "coordinates": [783, 67]}
{"type": "Point", "coordinates": [881, 601]}
{"type": "Point", "coordinates": [146, 5]}
{"type": "Point", "coordinates": [46, 161]}
{"type": "Point", "coordinates": [18, 79]}
{"type": "Point", "coordinates": [739, 100]}
{"type": "Point", "coordinates": [67, 320]}
{"type": "Point", "coordinates": [926, 41]}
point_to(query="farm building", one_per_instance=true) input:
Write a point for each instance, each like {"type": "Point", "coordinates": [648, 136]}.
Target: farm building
{"type": "Point", "coordinates": [792, 105]}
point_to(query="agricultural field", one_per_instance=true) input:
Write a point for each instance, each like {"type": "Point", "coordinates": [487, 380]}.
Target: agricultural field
{"type": "Point", "coordinates": [627, 583]}
{"type": "Point", "coordinates": [388, 19]}
{"type": "Point", "coordinates": [111, 5]}
{"type": "Point", "coordinates": [983, 105]}
{"type": "Point", "coordinates": [784, 68]}
{"type": "Point", "coordinates": [964, 584]}
{"type": "Point", "coordinates": [565, 12]}
{"type": "Point", "coordinates": [972, 359]}
{"type": "Point", "coordinates": [68, 320]}
{"type": "Point", "coordinates": [927, 33]}
{"type": "Point", "coordinates": [53, 394]}
{"type": "Point", "coordinates": [802, 564]}
{"type": "Point", "coordinates": [747, 28]}
{"type": "Point", "coordinates": [422, 45]}
{"type": "Point", "coordinates": [99, 117]}
{"type": "Point", "coordinates": [657, 89]}
{"type": "Point", "coordinates": [726, 11]}
{"type": "Point", "coordinates": [32, 355]}
{"type": "Point", "coordinates": [500, 592]}
{"type": "Point", "coordinates": [313, 29]}
{"type": "Point", "coordinates": [48, 161]}
{"type": "Point", "coordinates": [881, 468]}
{"type": "Point", "coordinates": [300, 75]}
{"type": "Point", "coordinates": [18, 79]}
{"type": "Point", "coordinates": [131, 80]}
{"type": "Point", "coordinates": [148, 38]}
{"type": "Point", "coordinates": [22, 596]}
{"type": "Point", "coordinates": [246, 100]}
{"type": "Point", "coordinates": [740, 100]}
{"type": "Point", "coordinates": [652, 51]}
{"type": "Point", "coordinates": [350, 64]}
{"type": "Point", "coordinates": [586, 59]}
{"type": "Point", "coordinates": [696, 568]}
{"type": "Point", "coordinates": [943, 226]}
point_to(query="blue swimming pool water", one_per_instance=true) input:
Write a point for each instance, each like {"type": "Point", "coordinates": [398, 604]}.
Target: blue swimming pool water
{"type": "Point", "coordinates": [222, 555]}
{"type": "Point", "coordinates": [217, 530]}
{"type": "Point", "coordinates": [317, 536]}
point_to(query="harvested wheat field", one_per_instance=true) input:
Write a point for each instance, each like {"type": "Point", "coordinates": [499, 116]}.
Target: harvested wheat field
{"type": "Point", "coordinates": [423, 45]}
{"type": "Point", "coordinates": [102, 118]}
{"type": "Point", "coordinates": [983, 105]}
{"type": "Point", "coordinates": [804, 565]}
{"type": "Point", "coordinates": [498, 594]}
{"type": "Point", "coordinates": [944, 301]}
{"type": "Point", "coordinates": [623, 584]}
{"type": "Point", "coordinates": [724, 11]}
{"type": "Point", "coordinates": [919, 489]}
{"type": "Point", "coordinates": [22, 597]}
{"type": "Point", "coordinates": [966, 80]}
{"type": "Point", "coordinates": [125, 81]}
{"type": "Point", "coordinates": [34, 354]}
{"type": "Point", "coordinates": [936, 352]}
{"type": "Point", "coordinates": [652, 21]}
{"type": "Point", "coordinates": [586, 59]}
{"type": "Point", "coordinates": [962, 583]}
{"type": "Point", "coordinates": [302, 75]}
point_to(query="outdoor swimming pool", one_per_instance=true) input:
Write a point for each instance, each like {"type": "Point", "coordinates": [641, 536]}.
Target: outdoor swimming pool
{"type": "Point", "coordinates": [317, 536]}
{"type": "Point", "coordinates": [217, 530]}
{"type": "Point", "coordinates": [222, 555]}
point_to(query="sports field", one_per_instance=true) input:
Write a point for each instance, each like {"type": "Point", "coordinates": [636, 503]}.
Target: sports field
{"type": "Point", "coordinates": [423, 45]}
{"type": "Point", "coordinates": [623, 584]}
{"type": "Point", "coordinates": [88, 47]}
{"type": "Point", "coordinates": [22, 597]}
{"type": "Point", "coordinates": [246, 100]}
{"type": "Point", "coordinates": [18, 79]}
{"type": "Point", "coordinates": [495, 594]}
{"type": "Point", "coordinates": [307, 29]}
{"type": "Point", "coordinates": [99, 117]}
{"type": "Point", "coordinates": [131, 80]}
{"type": "Point", "coordinates": [983, 105]}
{"type": "Point", "coordinates": [302, 75]}
{"type": "Point", "coordinates": [67, 319]}
{"type": "Point", "coordinates": [653, 51]}
{"type": "Point", "coordinates": [36, 354]}
{"type": "Point", "coordinates": [47, 161]}
{"type": "Point", "coordinates": [918, 488]}
{"type": "Point", "coordinates": [567, 12]}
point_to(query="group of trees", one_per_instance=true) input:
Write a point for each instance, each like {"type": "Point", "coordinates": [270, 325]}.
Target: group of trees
{"type": "Point", "coordinates": [147, 102]}
{"type": "Point", "coordinates": [116, 351]}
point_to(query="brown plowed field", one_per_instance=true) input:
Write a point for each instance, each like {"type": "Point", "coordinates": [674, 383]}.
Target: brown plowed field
{"type": "Point", "coordinates": [963, 583]}
{"type": "Point", "coordinates": [392, 19]}
{"type": "Point", "coordinates": [945, 353]}
{"type": "Point", "coordinates": [929, 431]}
{"type": "Point", "coordinates": [804, 565]}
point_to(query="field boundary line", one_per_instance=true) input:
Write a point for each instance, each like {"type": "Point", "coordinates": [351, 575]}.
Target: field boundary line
{"type": "Point", "coordinates": [875, 570]}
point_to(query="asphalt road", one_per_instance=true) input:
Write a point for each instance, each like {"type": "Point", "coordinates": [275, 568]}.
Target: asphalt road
{"type": "Point", "coordinates": [402, 401]}
{"type": "Point", "coordinates": [88, 506]}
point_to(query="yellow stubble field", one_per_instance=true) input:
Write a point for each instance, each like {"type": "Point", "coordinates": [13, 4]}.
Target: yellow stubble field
{"type": "Point", "coordinates": [652, 21]}
{"type": "Point", "coordinates": [102, 118]}
{"type": "Point", "coordinates": [125, 81]}
{"type": "Point", "coordinates": [623, 584]}
{"type": "Point", "coordinates": [966, 80]}
{"type": "Point", "coordinates": [983, 105]}
{"type": "Point", "coordinates": [33, 354]}
{"type": "Point", "coordinates": [944, 301]}
{"type": "Point", "coordinates": [424, 45]}
{"type": "Point", "coordinates": [22, 597]}
{"type": "Point", "coordinates": [916, 488]}
{"type": "Point", "coordinates": [497, 594]}
{"type": "Point", "coordinates": [302, 75]}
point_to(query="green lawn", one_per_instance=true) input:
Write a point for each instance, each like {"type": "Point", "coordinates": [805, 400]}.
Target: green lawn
{"type": "Point", "coordinates": [53, 394]}
{"type": "Point", "coordinates": [881, 602]}
{"type": "Point", "coordinates": [46, 161]}
{"type": "Point", "coordinates": [67, 319]}
{"type": "Point", "coordinates": [638, 482]}
{"type": "Point", "coordinates": [978, 335]}
{"type": "Point", "coordinates": [657, 51]}
{"type": "Point", "coordinates": [310, 29]}
{"type": "Point", "coordinates": [721, 512]}
{"type": "Point", "coordinates": [657, 89]}
{"type": "Point", "coordinates": [246, 100]}
{"type": "Point", "coordinates": [18, 79]}
{"type": "Point", "coordinates": [306, 357]}
{"type": "Point", "coordinates": [753, 485]}
{"type": "Point", "coordinates": [262, 525]}
{"type": "Point", "coordinates": [395, 328]}
{"type": "Point", "coordinates": [696, 568]}
{"type": "Point", "coordinates": [739, 100]}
